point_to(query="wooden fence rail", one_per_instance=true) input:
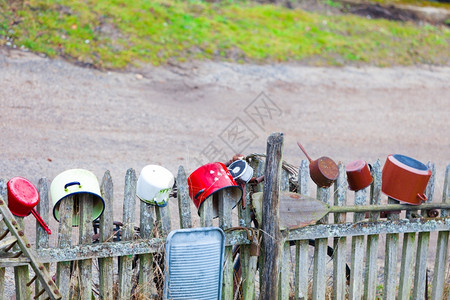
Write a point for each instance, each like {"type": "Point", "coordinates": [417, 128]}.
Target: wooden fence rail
{"type": "Point", "coordinates": [334, 258]}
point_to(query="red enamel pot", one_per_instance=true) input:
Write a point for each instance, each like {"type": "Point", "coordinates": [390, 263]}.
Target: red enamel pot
{"type": "Point", "coordinates": [358, 175]}
{"type": "Point", "coordinates": [22, 198]}
{"type": "Point", "coordinates": [405, 179]}
{"type": "Point", "coordinates": [207, 180]}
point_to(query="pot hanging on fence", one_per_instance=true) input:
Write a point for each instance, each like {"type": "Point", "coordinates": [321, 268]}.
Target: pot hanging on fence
{"type": "Point", "coordinates": [154, 185]}
{"type": "Point", "coordinates": [241, 171]}
{"type": "Point", "coordinates": [323, 171]}
{"type": "Point", "coordinates": [22, 198]}
{"type": "Point", "coordinates": [207, 180]}
{"type": "Point", "coordinates": [74, 182]}
{"type": "Point", "coordinates": [358, 175]}
{"type": "Point", "coordinates": [405, 179]}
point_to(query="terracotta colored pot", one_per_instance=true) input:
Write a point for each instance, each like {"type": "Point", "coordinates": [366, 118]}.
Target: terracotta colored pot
{"type": "Point", "coordinates": [208, 180]}
{"type": "Point", "coordinates": [323, 171]}
{"type": "Point", "coordinates": [405, 179]}
{"type": "Point", "coordinates": [358, 175]}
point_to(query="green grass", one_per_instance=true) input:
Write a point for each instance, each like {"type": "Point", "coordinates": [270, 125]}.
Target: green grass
{"type": "Point", "coordinates": [119, 33]}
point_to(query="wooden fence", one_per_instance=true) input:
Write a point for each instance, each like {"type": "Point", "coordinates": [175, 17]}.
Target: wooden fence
{"type": "Point", "coordinates": [288, 267]}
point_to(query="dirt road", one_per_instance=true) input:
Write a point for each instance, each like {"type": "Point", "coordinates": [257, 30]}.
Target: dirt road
{"type": "Point", "coordinates": [56, 116]}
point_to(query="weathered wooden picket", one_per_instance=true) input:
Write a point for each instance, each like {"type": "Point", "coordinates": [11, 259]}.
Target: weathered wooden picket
{"type": "Point", "coordinates": [287, 267]}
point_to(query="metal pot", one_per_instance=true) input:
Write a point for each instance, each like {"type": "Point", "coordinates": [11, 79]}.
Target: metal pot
{"type": "Point", "coordinates": [154, 185]}
{"type": "Point", "coordinates": [208, 180]}
{"type": "Point", "coordinates": [358, 175]}
{"type": "Point", "coordinates": [405, 179]}
{"type": "Point", "coordinates": [241, 171]}
{"type": "Point", "coordinates": [22, 198]}
{"type": "Point", "coordinates": [72, 182]}
{"type": "Point", "coordinates": [323, 171]}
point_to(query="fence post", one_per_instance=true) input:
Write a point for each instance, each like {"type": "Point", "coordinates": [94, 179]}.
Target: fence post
{"type": "Point", "coordinates": [390, 259]}
{"type": "Point", "coordinates": [4, 195]}
{"type": "Point", "coordinates": [357, 255]}
{"type": "Point", "coordinates": [320, 253]}
{"type": "Point", "coordinates": [184, 201]}
{"type": "Point", "coordinates": [225, 222]}
{"type": "Point", "coordinates": [248, 262]}
{"type": "Point", "coordinates": [85, 238]}
{"type": "Point", "coordinates": [442, 245]}
{"type": "Point", "coordinates": [64, 240]}
{"type": "Point", "coordinates": [339, 254]}
{"type": "Point", "coordinates": [372, 240]}
{"type": "Point", "coordinates": [420, 273]}
{"type": "Point", "coordinates": [301, 247]}
{"type": "Point", "coordinates": [125, 262]}
{"type": "Point", "coordinates": [106, 281]}
{"type": "Point", "coordinates": [270, 218]}
{"type": "Point", "coordinates": [285, 269]}
{"type": "Point", "coordinates": [41, 235]}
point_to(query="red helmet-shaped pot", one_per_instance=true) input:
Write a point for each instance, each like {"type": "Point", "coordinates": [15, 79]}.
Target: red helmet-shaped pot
{"type": "Point", "coordinates": [405, 179]}
{"type": "Point", "coordinates": [207, 180]}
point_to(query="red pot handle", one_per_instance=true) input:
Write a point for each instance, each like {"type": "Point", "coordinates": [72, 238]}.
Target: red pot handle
{"type": "Point", "coordinates": [422, 197]}
{"type": "Point", "coordinates": [39, 219]}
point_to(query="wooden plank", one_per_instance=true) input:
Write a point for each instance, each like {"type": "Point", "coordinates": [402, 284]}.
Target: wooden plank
{"type": "Point", "coordinates": [339, 244]}
{"type": "Point", "coordinates": [248, 263]}
{"type": "Point", "coordinates": [163, 220]}
{"type": "Point", "coordinates": [357, 254]}
{"type": "Point", "coordinates": [4, 195]}
{"type": "Point", "coordinates": [420, 273]}
{"type": "Point", "coordinates": [301, 247]}
{"type": "Point", "coordinates": [184, 201]}
{"type": "Point", "coordinates": [390, 261]}
{"type": "Point", "coordinates": [85, 237]}
{"type": "Point", "coordinates": [206, 213]}
{"type": "Point", "coordinates": [64, 241]}
{"type": "Point", "coordinates": [21, 274]}
{"type": "Point", "coordinates": [285, 271]}
{"type": "Point", "coordinates": [366, 228]}
{"type": "Point", "coordinates": [146, 271]}
{"type": "Point", "coordinates": [42, 238]}
{"type": "Point", "coordinates": [125, 262]}
{"type": "Point", "coordinates": [440, 262]}
{"type": "Point", "coordinates": [407, 265]}
{"type": "Point", "coordinates": [371, 272]}
{"type": "Point", "coordinates": [106, 280]}
{"type": "Point", "coordinates": [320, 254]}
{"type": "Point", "coordinates": [270, 219]}
{"type": "Point", "coordinates": [225, 221]}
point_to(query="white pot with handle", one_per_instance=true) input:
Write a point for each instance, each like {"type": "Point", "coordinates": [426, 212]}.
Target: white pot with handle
{"type": "Point", "coordinates": [154, 185]}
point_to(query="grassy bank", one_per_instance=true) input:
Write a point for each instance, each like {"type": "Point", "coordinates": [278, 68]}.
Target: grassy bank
{"type": "Point", "coordinates": [117, 33]}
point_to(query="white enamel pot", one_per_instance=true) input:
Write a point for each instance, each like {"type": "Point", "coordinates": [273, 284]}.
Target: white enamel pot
{"type": "Point", "coordinates": [154, 185]}
{"type": "Point", "coordinates": [76, 182]}
{"type": "Point", "coordinates": [241, 171]}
